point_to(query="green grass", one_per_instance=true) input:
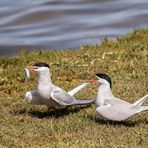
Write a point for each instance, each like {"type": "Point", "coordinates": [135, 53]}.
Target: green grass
{"type": "Point", "coordinates": [124, 59]}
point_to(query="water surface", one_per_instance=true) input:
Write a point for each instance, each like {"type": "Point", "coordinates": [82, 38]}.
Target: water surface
{"type": "Point", "coordinates": [62, 24]}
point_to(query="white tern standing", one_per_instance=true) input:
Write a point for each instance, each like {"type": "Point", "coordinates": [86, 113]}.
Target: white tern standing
{"type": "Point", "coordinates": [49, 94]}
{"type": "Point", "coordinates": [112, 108]}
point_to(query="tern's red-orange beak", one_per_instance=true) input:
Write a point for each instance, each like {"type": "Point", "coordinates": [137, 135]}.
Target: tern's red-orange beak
{"type": "Point", "coordinates": [93, 81]}
{"type": "Point", "coordinates": [32, 68]}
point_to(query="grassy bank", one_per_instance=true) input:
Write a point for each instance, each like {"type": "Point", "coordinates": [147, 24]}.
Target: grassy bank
{"type": "Point", "coordinates": [124, 59]}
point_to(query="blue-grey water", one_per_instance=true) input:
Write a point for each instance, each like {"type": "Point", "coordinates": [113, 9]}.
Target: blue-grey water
{"type": "Point", "coordinates": [62, 24]}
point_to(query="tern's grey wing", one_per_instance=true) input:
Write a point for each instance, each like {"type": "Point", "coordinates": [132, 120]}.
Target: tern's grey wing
{"type": "Point", "coordinates": [61, 97]}
{"type": "Point", "coordinates": [116, 102]}
{"type": "Point", "coordinates": [77, 89]}
{"type": "Point", "coordinates": [116, 113]}
{"type": "Point", "coordinates": [33, 97]}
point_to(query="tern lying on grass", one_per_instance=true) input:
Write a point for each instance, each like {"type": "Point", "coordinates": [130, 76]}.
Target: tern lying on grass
{"type": "Point", "coordinates": [49, 94]}
{"type": "Point", "coordinates": [112, 108]}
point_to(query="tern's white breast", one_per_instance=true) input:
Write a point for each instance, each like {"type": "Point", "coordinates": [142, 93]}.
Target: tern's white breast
{"type": "Point", "coordinates": [45, 91]}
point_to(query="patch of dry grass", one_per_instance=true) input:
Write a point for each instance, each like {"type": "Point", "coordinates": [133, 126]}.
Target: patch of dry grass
{"type": "Point", "coordinates": [124, 59]}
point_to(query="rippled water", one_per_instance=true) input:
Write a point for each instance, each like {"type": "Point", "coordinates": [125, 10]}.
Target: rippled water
{"type": "Point", "coordinates": [61, 24]}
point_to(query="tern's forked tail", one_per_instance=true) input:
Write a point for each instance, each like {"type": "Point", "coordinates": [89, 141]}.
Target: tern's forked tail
{"type": "Point", "coordinates": [144, 107]}
{"type": "Point", "coordinates": [140, 103]}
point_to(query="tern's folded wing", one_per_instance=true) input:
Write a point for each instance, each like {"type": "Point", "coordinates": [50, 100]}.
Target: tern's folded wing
{"type": "Point", "coordinates": [116, 102]}
{"type": "Point", "coordinates": [116, 113]}
{"type": "Point", "coordinates": [62, 97]}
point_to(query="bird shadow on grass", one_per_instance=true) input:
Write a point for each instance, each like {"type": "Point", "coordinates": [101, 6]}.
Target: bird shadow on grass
{"type": "Point", "coordinates": [56, 113]}
{"type": "Point", "coordinates": [126, 123]}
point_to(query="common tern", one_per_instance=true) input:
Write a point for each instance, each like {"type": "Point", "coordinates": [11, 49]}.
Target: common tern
{"type": "Point", "coordinates": [49, 94]}
{"type": "Point", "coordinates": [112, 108]}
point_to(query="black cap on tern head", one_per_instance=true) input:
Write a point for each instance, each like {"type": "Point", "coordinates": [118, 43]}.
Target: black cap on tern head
{"type": "Point", "coordinates": [41, 64]}
{"type": "Point", "coordinates": [106, 77]}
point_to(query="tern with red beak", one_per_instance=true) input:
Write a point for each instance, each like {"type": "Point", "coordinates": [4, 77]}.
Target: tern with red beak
{"type": "Point", "coordinates": [49, 94]}
{"type": "Point", "coordinates": [112, 108]}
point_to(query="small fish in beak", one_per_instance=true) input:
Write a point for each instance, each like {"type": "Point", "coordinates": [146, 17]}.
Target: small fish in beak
{"type": "Point", "coordinates": [27, 73]}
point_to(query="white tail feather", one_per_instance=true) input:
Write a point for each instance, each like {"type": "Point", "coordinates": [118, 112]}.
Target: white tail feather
{"type": "Point", "coordinates": [140, 101]}
{"type": "Point", "coordinates": [144, 107]}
